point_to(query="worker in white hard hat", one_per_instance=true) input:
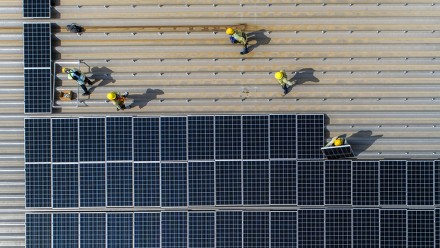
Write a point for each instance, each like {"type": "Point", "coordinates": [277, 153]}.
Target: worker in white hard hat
{"type": "Point", "coordinates": [79, 77]}
{"type": "Point", "coordinates": [336, 141]}
{"type": "Point", "coordinates": [238, 36]}
{"type": "Point", "coordinates": [118, 100]}
{"type": "Point", "coordinates": [281, 76]}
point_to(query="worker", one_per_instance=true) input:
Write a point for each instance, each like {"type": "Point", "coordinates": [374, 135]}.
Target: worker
{"type": "Point", "coordinates": [118, 100]}
{"type": "Point", "coordinates": [80, 78]}
{"type": "Point", "coordinates": [336, 141]}
{"type": "Point", "coordinates": [281, 76]}
{"type": "Point", "coordinates": [237, 36]}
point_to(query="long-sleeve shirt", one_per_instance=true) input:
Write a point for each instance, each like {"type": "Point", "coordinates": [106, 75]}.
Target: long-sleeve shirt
{"type": "Point", "coordinates": [119, 101]}
{"type": "Point", "coordinates": [240, 37]}
{"type": "Point", "coordinates": [77, 76]}
{"type": "Point", "coordinates": [283, 81]}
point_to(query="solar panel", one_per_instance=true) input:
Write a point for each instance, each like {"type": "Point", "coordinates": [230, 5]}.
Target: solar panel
{"type": "Point", "coordinates": [310, 136]}
{"type": "Point", "coordinates": [173, 138]}
{"type": "Point", "coordinates": [146, 230]}
{"type": "Point", "coordinates": [338, 228]}
{"type": "Point", "coordinates": [37, 140]}
{"type": "Point", "coordinates": [92, 185]}
{"type": "Point", "coordinates": [365, 183]}
{"type": "Point", "coordinates": [421, 228]}
{"type": "Point", "coordinates": [335, 152]}
{"type": "Point", "coordinates": [37, 45]}
{"type": "Point", "coordinates": [65, 185]}
{"type": "Point", "coordinates": [310, 183]}
{"type": "Point", "coordinates": [65, 233]}
{"type": "Point", "coordinates": [64, 140]}
{"type": "Point", "coordinates": [174, 229]}
{"type": "Point", "coordinates": [174, 184]}
{"type": "Point", "coordinates": [256, 229]}
{"type": "Point", "coordinates": [119, 230]}
{"type": "Point", "coordinates": [365, 228]}
{"type": "Point", "coordinates": [201, 229]}
{"type": "Point", "coordinates": [146, 139]}
{"type": "Point", "coordinates": [37, 90]}
{"type": "Point", "coordinates": [146, 184]}
{"type": "Point", "coordinates": [437, 182]}
{"type": "Point", "coordinates": [228, 137]}
{"type": "Point", "coordinates": [228, 187]}
{"type": "Point", "coordinates": [338, 182]}
{"type": "Point", "coordinates": [119, 138]}
{"type": "Point", "coordinates": [437, 227]}
{"type": "Point", "coordinates": [36, 8]}
{"type": "Point", "coordinates": [201, 183]}
{"type": "Point", "coordinates": [282, 182]}
{"type": "Point", "coordinates": [283, 229]}
{"type": "Point", "coordinates": [38, 186]}
{"type": "Point", "coordinates": [229, 229]}
{"type": "Point", "coordinates": [393, 228]}
{"type": "Point", "coordinates": [282, 136]}
{"type": "Point", "coordinates": [38, 230]}
{"type": "Point", "coordinates": [119, 184]}
{"type": "Point", "coordinates": [255, 182]}
{"type": "Point", "coordinates": [91, 139]}
{"type": "Point", "coordinates": [92, 230]}
{"type": "Point", "coordinates": [420, 182]}
{"type": "Point", "coordinates": [311, 228]}
{"type": "Point", "coordinates": [392, 182]}
{"type": "Point", "coordinates": [255, 137]}
{"type": "Point", "coordinates": [200, 137]}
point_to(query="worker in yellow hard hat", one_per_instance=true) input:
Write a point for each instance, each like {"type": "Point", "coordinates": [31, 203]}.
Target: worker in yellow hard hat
{"type": "Point", "coordinates": [238, 36]}
{"type": "Point", "coordinates": [79, 77]}
{"type": "Point", "coordinates": [118, 100]}
{"type": "Point", "coordinates": [281, 76]}
{"type": "Point", "coordinates": [336, 141]}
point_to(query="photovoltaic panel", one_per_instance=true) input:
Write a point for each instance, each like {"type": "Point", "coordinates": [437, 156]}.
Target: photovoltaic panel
{"type": "Point", "coordinates": [38, 186]}
{"type": "Point", "coordinates": [201, 229]}
{"type": "Point", "coordinates": [174, 229]}
{"type": "Point", "coordinates": [37, 140]}
{"type": "Point", "coordinates": [310, 183]}
{"type": "Point", "coordinates": [119, 138]}
{"type": "Point", "coordinates": [146, 139]}
{"type": "Point", "coordinates": [338, 182]}
{"type": "Point", "coordinates": [283, 229]}
{"type": "Point", "coordinates": [65, 230]}
{"type": "Point", "coordinates": [228, 137]}
{"type": "Point", "coordinates": [420, 182]}
{"type": "Point", "coordinates": [335, 152]}
{"type": "Point", "coordinates": [437, 227]}
{"type": "Point", "coordinates": [38, 230]}
{"type": "Point", "coordinates": [119, 230]}
{"type": "Point", "coordinates": [421, 228]}
{"type": "Point", "coordinates": [310, 136]}
{"type": "Point", "coordinates": [146, 230]}
{"type": "Point", "coordinates": [36, 8]}
{"type": "Point", "coordinates": [64, 140]}
{"type": "Point", "coordinates": [92, 185]}
{"type": "Point", "coordinates": [392, 182]}
{"type": "Point", "coordinates": [146, 184]}
{"type": "Point", "coordinates": [256, 229]}
{"type": "Point", "coordinates": [119, 184]}
{"type": "Point", "coordinates": [255, 137]}
{"type": "Point", "coordinates": [393, 228]}
{"type": "Point", "coordinates": [200, 137]}
{"type": "Point", "coordinates": [228, 182]}
{"type": "Point", "coordinates": [282, 136]}
{"type": "Point", "coordinates": [173, 138]}
{"type": "Point", "coordinates": [437, 182]}
{"type": "Point", "coordinates": [255, 182]}
{"type": "Point", "coordinates": [365, 183]}
{"type": "Point", "coordinates": [365, 228]}
{"type": "Point", "coordinates": [37, 90]}
{"type": "Point", "coordinates": [65, 185]}
{"type": "Point", "coordinates": [37, 45]}
{"type": "Point", "coordinates": [311, 228]}
{"type": "Point", "coordinates": [201, 183]}
{"type": "Point", "coordinates": [92, 139]}
{"type": "Point", "coordinates": [92, 230]}
{"type": "Point", "coordinates": [282, 182]}
{"type": "Point", "coordinates": [338, 228]}
{"type": "Point", "coordinates": [229, 229]}
{"type": "Point", "coordinates": [174, 184]}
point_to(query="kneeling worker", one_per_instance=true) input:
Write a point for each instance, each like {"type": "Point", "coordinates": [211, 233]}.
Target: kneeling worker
{"type": "Point", "coordinates": [118, 100]}
{"type": "Point", "coordinates": [80, 78]}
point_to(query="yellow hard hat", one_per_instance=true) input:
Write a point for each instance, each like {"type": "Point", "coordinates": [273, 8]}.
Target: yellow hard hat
{"type": "Point", "coordinates": [65, 70]}
{"type": "Point", "coordinates": [230, 31]}
{"type": "Point", "coordinates": [279, 75]}
{"type": "Point", "coordinates": [111, 95]}
{"type": "Point", "coordinates": [339, 141]}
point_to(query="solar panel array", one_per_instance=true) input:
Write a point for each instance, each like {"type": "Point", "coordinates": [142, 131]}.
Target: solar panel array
{"type": "Point", "coordinates": [36, 8]}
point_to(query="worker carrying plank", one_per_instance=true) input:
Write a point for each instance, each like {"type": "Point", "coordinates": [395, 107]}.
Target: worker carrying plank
{"type": "Point", "coordinates": [79, 77]}
{"type": "Point", "coordinates": [118, 100]}
{"type": "Point", "coordinates": [281, 76]}
{"type": "Point", "coordinates": [237, 36]}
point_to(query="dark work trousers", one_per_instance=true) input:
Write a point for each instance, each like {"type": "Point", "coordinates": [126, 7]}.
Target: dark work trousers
{"type": "Point", "coordinates": [285, 88]}
{"type": "Point", "coordinates": [83, 86]}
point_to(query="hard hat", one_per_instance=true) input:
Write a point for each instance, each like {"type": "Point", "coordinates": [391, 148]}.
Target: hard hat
{"type": "Point", "coordinates": [230, 31]}
{"type": "Point", "coordinates": [339, 141]}
{"type": "Point", "coordinates": [279, 75]}
{"type": "Point", "coordinates": [66, 70]}
{"type": "Point", "coordinates": [111, 95]}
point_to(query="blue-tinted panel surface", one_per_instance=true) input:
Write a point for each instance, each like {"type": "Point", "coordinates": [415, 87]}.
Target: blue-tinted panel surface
{"type": "Point", "coordinates": [256, 229]}
{"type": "Point", "coordinates": [229, 229]}
{"type": "Point", "coordinates": [392, 182]}
{"type": "Point", "coordinates": [37, 45]}
{"type": "Point", "coordinates": [282, 136]}
{"type": "Point", "coordinates": [365, 183]}
{"type": "Point", "coordinates": [366, 228]}
{"type": "Point", "coordinates": [283, 182]}
{"type": "Point", "coordinates": [228, 137]}
{"type": "Point", "coordinates": [146, 184]}
{"type": "Point", "coordinates": [37, 91]}
{"type": "Point", "coordinates": [201, 180]}
{"type": "Point", "coordinates": [119, 184]}
{"type": "Point", "coordinates": [37, 140]}
{"type": "Point", "coordinates": [228, 182]}
{"type": "Point", "coordinates": [92, 139]}
{"type": "Point", "coordinates": [201, 233]}
{"type": "Point", "coordinates": [420, 228]}
{"type": "Point", "coordinates": [437, 182]}
{"type": "Point", "coordinates": [310, 183]}
{"type": "Point", "coordinates": [92, 230]}
{"type": "Point", "coordinates": [119, 138]}
{"type": "Point", "coordinates": [64, 140]}
{"type": "Point", "coordinates": [255, 182]}
{"type": "Point", "coordinates": [420, 185]}
{"type": "Point", "coordinates": [200, 137]}
{"type": "Point", "coordinates": [310, 136]}
{"type": "Point", "coordinates": [38, 230]}
{"type": "Point", "coordinates": [92, 185]}
{"type": "Point", "coordinates": [65, 230]}
{"type": "Point", "coordinates": [255, 137]}
{"type": "Point", "coordinates": [393, 228]}
{"type": "Point", "coordinates": [174, 229]}
{"type": "Point", "coordinates": [38, 186]}
{"type": "Point", "coordinates": [119, 230]}
{"type": "Point", "coordinates": [173, 138]}
{"type": "Point", "coordinates": [146, 139]}
{"type": "Point", "coordinates": [36, 8]}
{"type": "Point", "coordinates": [146, 230]}
{"type": "Point", "coordinates": [174, 184]}
{"type": "Point", "coordinates": [283, 229]}
{"type": "Point", "coordinates": [338, 228]}
{"type": "Point", "coordinates": [338, 182]}
{"type": "Point", "coordinates": [437, 227]}
{"type": "Point", "coordinates": [65, 185]}
{"type": "Point", "coordinates": [311, 229]}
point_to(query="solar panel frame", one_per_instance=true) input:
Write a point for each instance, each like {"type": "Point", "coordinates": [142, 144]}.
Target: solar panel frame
{"type": "Point", "coordinates": [65, 186]}
{"type": "Point", "coordinates": [256, 183]}
{"type": "Point", "coordinates": [366, 228]}
{"type": "Point", "coordinates": [37, 43]}
{"type": "Point", "coordinates": [283, 182]}
{"type": "Point", "coordinates": [229, 229]}
{"type": "Point", "coordinates": [420, 182]}
{"type": "Point", "coordinates": [93, 189]}
{"type": "Point", "coordinates": [310, 183]}
{"type": "Point", "coordinates": [228, 137]}
{"type": "Point", "coordinates": [283, 229]}
{"type": "Point", "coordinates": [174, 229]}
{"type": "Point", "coordinates": [91, 139]}
{"type": "Point", "coordinates": [255, 140]}
{"type": "Point", "coordinates": [93, 230]}
{"type": "Point", "coordinates": [365, 183]}
{"type": "Point", "coordinates": [282, 129]}
{"type": "Point", "coordinates": [256, 229]}
{"type": "Point", "coordinates": [392, 182]}
{"type": "Point", "coordinates": [201, 137]}
{"type": "Point", "coordinates": [37, 140]}
{"type": "Point", "coordinates": [201, 229]}
{"type": "Point", "coordinates": [311, 228]}
{"type": "Point", "coordinates": [173, 138]}
{"type": "Point", "coordinates": [65, 230]}
{"type": "Point", "coordinates": [65, 141]}
{"type": "Point", "coordinates": [393, 228]}
{"type": "Point", "coordinates": [174, 184]}
{"type": "Point", "coordinates": [119, 230]}
{"type": "Point", "coordinates": [119, 184]}
{"type": "Point", "coordinates": [338, 228]}
{"type": "Point", "coordinates": [37, 91]}
{"type": "Point", "coordinates": [337, 152]}
{"type": "Point", "coordinates": [420, 231]}
{"type": "Point", "coordinates": [36, 8]}
{"type": "Point", "coordinates": [310, 136]}
{"type": "Point", "coordinates": [119, 138]}
{"type": "Point", "coordinates": [38, 185]}
{"type": "Point", "coordinates": [147, 229]}
{"type": "Point", "coordinates": [201, 184]}
{"type": "Point", "coordinates": [228, 183]}
{"type": "Point", "coordinates": [146, 138]}
{"type": "Point", "coordinates": [338, 182]}
{"type": "Point", "coordinates": [38, 230]}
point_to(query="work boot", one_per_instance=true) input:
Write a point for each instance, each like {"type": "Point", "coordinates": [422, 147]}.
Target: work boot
{"type": "Point", "coordinates": [125, 94]}
{"type": "Point", "coordinates": [86, 93]}
{"type": "Point", "coordinates": [245, 51]}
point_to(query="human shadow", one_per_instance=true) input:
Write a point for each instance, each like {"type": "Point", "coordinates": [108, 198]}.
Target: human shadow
{"type": "Point", "coordinates": [101, 76]}
{"type": "Point", "coordinates": [362, 140]}
{"type": "Point", "coordinates": [304, 75]}
{"type": "Point", "coordinates": [141, 100]}
{"type": "Point", "coordinates": [260, 38]}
